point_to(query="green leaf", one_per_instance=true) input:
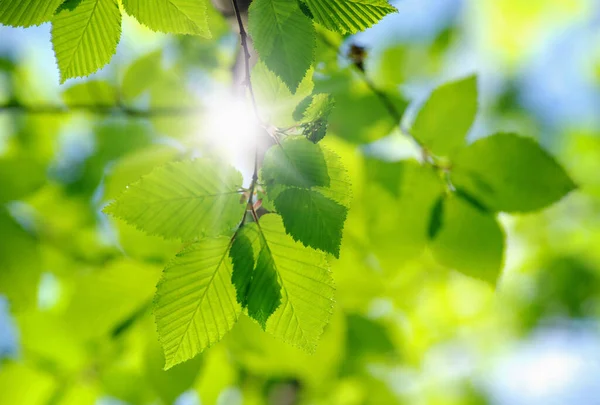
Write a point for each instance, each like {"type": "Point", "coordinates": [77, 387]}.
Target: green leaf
{"type": "Point", "coordinates": [359, 115]}
{"type": "Point", "coordinates": [306, 287]}
{"type": "Point", "coordinates": [20, 175]}
{"type": "Point", "coordinates": [20, 264]}
{"type": "Point", "coordinates": [469, 240]}
{"type": "Point", "coordinates": [320, 107]}
{"type": "Point", "coordinates": [315, 116]}
{"type": "Point", "coordinates": [195, 301]}
{"type": "Point", "coordinates": [255, 274]}
{"type": "Point", "coordinates": [349, 16]}
{"type": "Point", "coordinates": [183, 200]}
{"type": "Point", "coordinates": [276, 103]}
{"type": "Point", "coordinates": [340, 185]}
{"type": "Point", "coordinates": [510, 173]}
{"type": "Point", "coordinates": [283, 37]}
{"type": "Point", "coordinates": [399, 200]}
{"type": "Point", "coordinates": [140, 75]}
{"type": "Point", "coordinates": [25, 385]}
{"type": "Point", "coordinates": [338, 189]}
{"type": "Point", "coordinates": [25, 13]}
{"type": "Point", "coordinates": [85, 34]}
{"type": "Point", "coordinates": [313, 219]}
{"type": "Point", "coordinates": [244, 260]}
{"type": "Point", "coordinates": [92, 92]}
{"type": "Point", "coordinates": [295, 162]}
{"type": "Point", "coordinates": [171, 16]}
{"type": "Point", "coordinates": [103, 300]}
{"type": "Point", "coordinates": [444, 121]}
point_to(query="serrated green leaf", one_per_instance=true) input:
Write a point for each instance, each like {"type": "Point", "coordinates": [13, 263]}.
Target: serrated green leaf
{"type": "Point", "coordinates": [340, 185]}
{"type": "Point", "coordinates": [469, 240]}
{"type": "Point", "coordinates": [183, 200]}
{"type": "Point", "coordinates": [244, 260]}
{"type": "Point", "coordinates": [276, 103]}
{"type": "Point", "coordinates": [195, 301]}
{"type": "Point", "coordinates": [315, 117]}
{"type": "Point", "coordinates": [92, 92]}
{"type": "Point", "coordinates": [255, 274]}
{"type": "Point", "coordinates": [338, 189]}
{"type": "Point", "coordinates": [320, 106]}
{"type": "Point", "coordinates": [510, 173]}
{"type": "Point", "coordinates": [313, 219]}
{"type": "Point", "coordinates": [444, 120]}
{"type": "Point", "coordinates": [306, 287]}
{"type": "Point", "coordinates": [283, 37]}
{"type": "Point", "coordinates": [295, 162]}
{"type": "Point", "coordinates": [25, 13]}
{"type": "Point", "coordinates": [171, 16]}
{"type": "Point", "coordinates": [85, 35]}
{"type": "Point", "coordinates": [349, 16]}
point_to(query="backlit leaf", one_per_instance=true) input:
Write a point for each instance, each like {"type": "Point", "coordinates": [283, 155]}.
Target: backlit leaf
{"type": "Point", "coordinates": [195, 301]}
{"type": "Point", "coordinates": [183, 200]}
{"type": "Point", "coordinates": [283, 37]}
{"type": "Point", "coordinates": [171, 16]}
{"type": "Point", "coordinates": [313, 219]}
{"type": "Point", "coordinates": [295, 162]}
{"type": "Point", "coordinates": [349, 16]}
{"type": "Point", "coordinates": [307, 291]}
{"type": "Point", "coordinates": [25, 13]}
{"type": "Point", "coordinates": [255, 276]}
{"type": "Point", "coordinates": [85, 35]}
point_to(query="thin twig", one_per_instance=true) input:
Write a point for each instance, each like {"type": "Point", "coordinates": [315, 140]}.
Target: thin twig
{"type": "Point", "coordinates": [383, 98]}
{"type": "Point", "coordinates": [98, 109]}
{"type": "Point", "coordinates": [246, 50]}
{"type": "Point", "coordinates": [248, 82]}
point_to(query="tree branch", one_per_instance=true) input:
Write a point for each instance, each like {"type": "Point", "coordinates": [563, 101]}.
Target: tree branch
{"type": "Point", "coordinates": [383, 98]}
{"type": "Point", "coordinates": [248, 83]}
{"type": "Point", "coordinates": [97, 109]}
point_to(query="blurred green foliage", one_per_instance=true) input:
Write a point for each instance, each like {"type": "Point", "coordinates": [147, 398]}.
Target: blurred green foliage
{"type": "Point", "coordinates": [80, 284]}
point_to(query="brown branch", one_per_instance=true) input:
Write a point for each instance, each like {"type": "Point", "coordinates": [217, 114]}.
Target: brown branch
{"type": "Point", "coordinates": [248, 82]}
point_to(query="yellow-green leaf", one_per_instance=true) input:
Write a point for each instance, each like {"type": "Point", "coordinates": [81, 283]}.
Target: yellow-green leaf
{"type": "Point", "coordinates": [195, 302]}
{"type": "Point", "coordinates": [85, 35]}
{"type": "Point", "coordinates": [171, 16]}
{"type": "Point", "coordinates": [183, 200]}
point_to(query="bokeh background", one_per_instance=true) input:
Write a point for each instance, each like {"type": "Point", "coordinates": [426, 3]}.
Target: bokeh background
{"type": "Point", "coordinates": [75, 323]}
